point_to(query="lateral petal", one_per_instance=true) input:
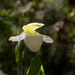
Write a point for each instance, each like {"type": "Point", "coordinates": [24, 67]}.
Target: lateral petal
{"type": "Point", "coordinates": [18, 37]}
{"type": "Point", "coordinates": [47, 39]}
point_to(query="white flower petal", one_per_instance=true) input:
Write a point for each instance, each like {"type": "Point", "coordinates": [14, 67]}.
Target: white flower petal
{"type": "Point", "coordinates": [47, 39]}
{"type": "Point", "coordinates": [33, 42]}
{"type": "Point", "coordinates": [18, 37]}
{"type": "Point", "coordinates": [34, 24]}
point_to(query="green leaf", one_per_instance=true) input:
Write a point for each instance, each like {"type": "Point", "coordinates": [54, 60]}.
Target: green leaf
{"type": "Point", "coordinates": [41, 71]}
{"type": "Point", "coordinates": [17, 54]}
{"type": "Point", "coordinates": [35, 66]}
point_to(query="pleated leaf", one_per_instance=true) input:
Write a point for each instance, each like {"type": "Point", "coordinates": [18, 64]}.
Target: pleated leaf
{"type": "Point", "coordinates": [35, 66]}
{"type": "Point", "coordinates": [41, 71]}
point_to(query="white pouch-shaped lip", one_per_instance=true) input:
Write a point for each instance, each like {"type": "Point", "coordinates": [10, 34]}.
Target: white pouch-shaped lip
{"type": "Point", "coordinates": [33, 42]}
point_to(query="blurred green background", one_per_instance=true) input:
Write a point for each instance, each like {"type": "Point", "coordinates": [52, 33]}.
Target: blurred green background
{"type": "Point", "coordinates": [58, 16]}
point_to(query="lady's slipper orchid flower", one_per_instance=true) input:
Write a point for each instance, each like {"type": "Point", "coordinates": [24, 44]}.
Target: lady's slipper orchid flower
{"type": "Point", "coordinates": [32, 39]}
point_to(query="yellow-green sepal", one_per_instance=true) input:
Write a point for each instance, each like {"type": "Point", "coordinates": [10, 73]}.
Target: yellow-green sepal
{"type": "Point", "coordinates": [32, 26]}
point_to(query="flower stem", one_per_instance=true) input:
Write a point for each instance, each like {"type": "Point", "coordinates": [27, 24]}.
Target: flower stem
{"type": "Point", "coordinates": [19, 52]}
{"type": "Point", "coordinates": [19, 70]}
